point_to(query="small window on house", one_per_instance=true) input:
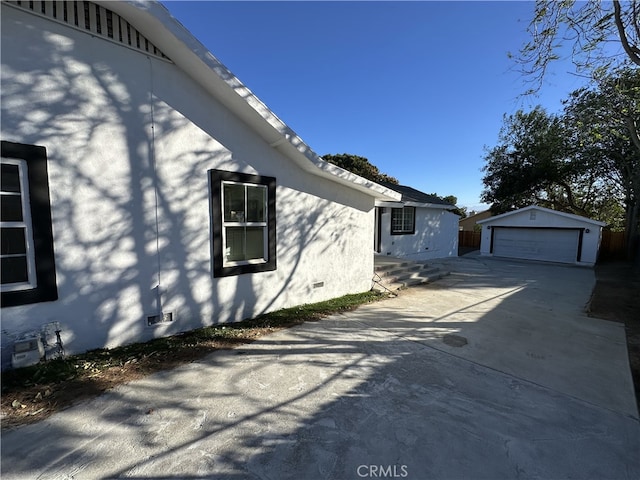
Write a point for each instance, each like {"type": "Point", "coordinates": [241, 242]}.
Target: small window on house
{"type": "Point", "coordinates": [27, 269]}
{"type": "Point", "coordinates": [403, 221]}
{"type": "Point", "coordinates": [243, 217]}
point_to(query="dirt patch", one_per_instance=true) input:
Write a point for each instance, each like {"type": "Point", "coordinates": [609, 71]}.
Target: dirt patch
{"type": "Point", "coordinates": [616, 297]}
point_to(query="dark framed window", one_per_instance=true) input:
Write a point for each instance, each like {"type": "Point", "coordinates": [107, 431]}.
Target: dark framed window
{"type": "Point", "coordinates": [27, 264]}
{"type": "Point", "coordinates": [403, 221]}
{"type": "Point", "coordinates": [243, 223]}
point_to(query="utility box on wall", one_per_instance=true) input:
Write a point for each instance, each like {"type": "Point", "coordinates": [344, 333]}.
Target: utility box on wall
{"type": "Point", "coordinates": [26, 352]}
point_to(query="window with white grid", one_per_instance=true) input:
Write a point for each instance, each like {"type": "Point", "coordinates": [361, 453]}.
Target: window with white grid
{"type": "Point", "coordinates": [403, 220]}
{"type": "Point", "coordinates": [244, 223]}
{"type": "Point", "coordinates": [17, 254]}
{"type": "Point", "coordinates": [243, 213]}
{"type": "Point", "coordinates": [27, 260]}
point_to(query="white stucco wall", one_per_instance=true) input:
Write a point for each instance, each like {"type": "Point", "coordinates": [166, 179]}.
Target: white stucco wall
{"type": "Point", "coordinates": [545, 219]}
{"type": "Point", "coordinates": [436, 236]}
{"type": "Point", "coordinates": [90, 103]}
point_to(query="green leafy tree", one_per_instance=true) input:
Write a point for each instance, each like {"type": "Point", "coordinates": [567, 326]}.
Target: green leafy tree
{"type": "Point", "coordinates": [605, 41]}
{"type": "Point", "coordinates": [453, 200]}
{"type": "Point", "coordinates": [535, 163]}
{"type": "Point", "coordinates": [360, 166]}
{"type": "Point", "coordinates": [529, 166]}
{"type": "Point", "coordinates": [605, 125]}
{"type": "Point", "coordinates": [585, 161]}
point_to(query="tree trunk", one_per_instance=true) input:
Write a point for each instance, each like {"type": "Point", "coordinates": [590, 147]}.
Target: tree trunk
{"type": "Point", "coordinates": [632, 235]}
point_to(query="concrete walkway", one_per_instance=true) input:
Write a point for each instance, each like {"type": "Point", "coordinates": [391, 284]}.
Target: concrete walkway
{"type": "Point", "coordinates": [493, 372]}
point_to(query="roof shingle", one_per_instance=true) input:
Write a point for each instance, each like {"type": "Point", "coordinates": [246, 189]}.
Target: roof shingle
{"type": "Point", "coordinates": [412, 195]}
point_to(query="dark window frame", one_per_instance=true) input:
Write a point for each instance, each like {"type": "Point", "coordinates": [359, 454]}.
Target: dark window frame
{"type": "Point", "coordinates": [46, 289]}
{"type": "Point", "coordinates": [403, 232]}
{"type": "Point", "coordinates": [216, 179]}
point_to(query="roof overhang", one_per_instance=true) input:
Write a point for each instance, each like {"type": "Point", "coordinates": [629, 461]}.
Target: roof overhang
{"type": "Point", "coordinates": [154, 21]}
{"type": "Point", "coordinates": [382, 203]}
{"type": "Point", "coordinates": [401, 204]}
{"type": "Point", "coordinates": [438, 206]}
{"type": "Point", "coordinates": [569, 216]}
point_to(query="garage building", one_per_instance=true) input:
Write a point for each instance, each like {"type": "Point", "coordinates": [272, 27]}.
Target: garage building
{"type": "Point", "coordinates": [537, 233]}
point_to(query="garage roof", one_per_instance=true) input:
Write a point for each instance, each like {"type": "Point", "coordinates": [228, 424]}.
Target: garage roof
{"type": "Point", "coordinates": [568, 216]}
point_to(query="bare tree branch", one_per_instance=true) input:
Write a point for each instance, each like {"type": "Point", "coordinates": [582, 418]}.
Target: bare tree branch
{"type": "Point", "coordinates": [632, 51]}
{"type": "Point", "coordinates": [588, 28]}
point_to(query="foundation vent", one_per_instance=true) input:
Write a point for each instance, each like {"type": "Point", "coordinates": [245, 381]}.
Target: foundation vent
{"type": "Point", "coordinates": [158, 319]}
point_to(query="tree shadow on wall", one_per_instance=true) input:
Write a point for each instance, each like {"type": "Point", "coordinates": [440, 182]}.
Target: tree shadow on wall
{"type": "Point", "coordinates": [130, 198]}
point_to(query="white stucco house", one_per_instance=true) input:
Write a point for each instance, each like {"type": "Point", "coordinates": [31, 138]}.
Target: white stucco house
{"type": "Point", "coordinates": [147, 191]}
{"type": "Point", "coordinates": [419, 227]}
{"type": "Point", "coordinates": [537, 233]}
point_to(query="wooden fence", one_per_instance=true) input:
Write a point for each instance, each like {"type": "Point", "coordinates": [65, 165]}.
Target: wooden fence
{"type": "Point", "coordinates": [613, 246]}
{"type": "Point", "coordinates": [468, 238]}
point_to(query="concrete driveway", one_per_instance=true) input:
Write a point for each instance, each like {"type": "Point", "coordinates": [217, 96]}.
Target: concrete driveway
{"type": "Point", "coordinates": [493, 372]}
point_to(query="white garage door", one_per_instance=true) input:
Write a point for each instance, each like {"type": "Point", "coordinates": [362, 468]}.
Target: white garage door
{"type": "Point", "coordinates": [546, 244]}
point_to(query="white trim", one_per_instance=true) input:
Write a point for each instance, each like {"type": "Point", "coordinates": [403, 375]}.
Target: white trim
{"type": "Point", "coordinates": [542, 209]}
{"type": "Point", "coordinates": [380, 203]}
{"type": "Point", "coordinates": [26, 224]}
{"type": "Point", "coordinates": [190, 55]}
{"type": "Point", "coordinates": [228, 224]}
{"type": "Point", "coordinates": [438, 206]}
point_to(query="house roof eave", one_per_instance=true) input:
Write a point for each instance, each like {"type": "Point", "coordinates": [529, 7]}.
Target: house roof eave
{"type": "Point", "coordinates": [382, 203]}
{"type": "Point", "coordinates": [188, 53]}
{"type": "Point", "coordinates": [438, 206]}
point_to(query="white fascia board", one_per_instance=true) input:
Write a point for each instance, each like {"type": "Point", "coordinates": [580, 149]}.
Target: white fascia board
{"type": "Point", "coordinates": [437, 206]}
{"type": "Point", "coordinates": [542, 209]}
{"type": "Point", "coordinates": [154, 21]}
{"type": "Point", "coordinates": [344, 176]}
{"type": "Point", "coordinates": [382, 203]}
{"type": "Point", "coordinates": [400, 204]}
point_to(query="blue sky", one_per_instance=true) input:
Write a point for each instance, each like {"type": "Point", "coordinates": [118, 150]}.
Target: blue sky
{"type": "Point", "coordinates": [418, 88]}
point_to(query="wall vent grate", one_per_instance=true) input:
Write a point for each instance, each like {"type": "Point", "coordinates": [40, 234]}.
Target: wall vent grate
{"type": "Point", "coordinates": [88, 16]}
{"type": "Point", "coordinates": [157, 319]}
